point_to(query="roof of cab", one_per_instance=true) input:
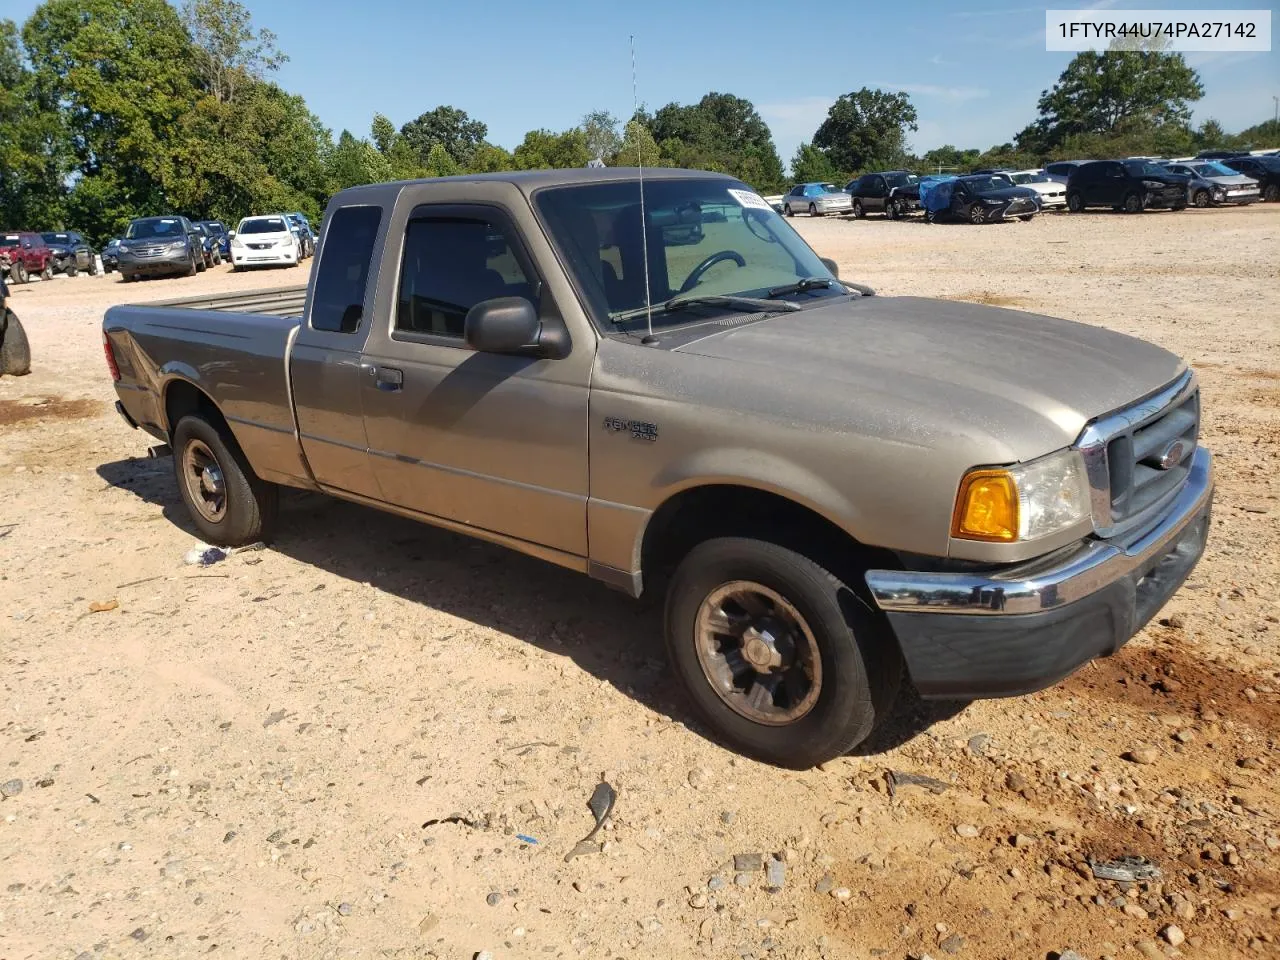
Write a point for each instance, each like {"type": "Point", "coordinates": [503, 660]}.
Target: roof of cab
{"type": "Point", "coordinates": [530, 180]}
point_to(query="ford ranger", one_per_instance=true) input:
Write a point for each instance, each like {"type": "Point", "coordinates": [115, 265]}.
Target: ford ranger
{"type": "Point", "coordinates": [658, 383]}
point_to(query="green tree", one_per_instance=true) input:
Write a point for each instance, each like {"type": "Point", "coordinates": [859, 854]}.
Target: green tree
{"type": "Point", "coordinates": [1099, 92]}
{"type": "Point", "coordinates": [866, 129]}
{"type": "Point", "coordinates": [35, 152]}
{"type": "Point", "coordinates": [544, 150]}
{"type": "Point", "coordinates": [488, 158]}
{"type": "Point", "coordinates": [601, 130]}
{"type": "Point", "coordinates": [353, 162]}
{"type": "Point", "coordinates": [636, 147]}
{"type": "Point", "coordinates": [1260, 136]}
{"type": "Point", "coordinates": [810, 165]}
{"type": "Point", "coordinates": [119, 75]}
{"type": "Point", "coordinates": [401, 157]}
{"type": "Point", "coordinates": [950, 159]}
{"type": "Point", "coordinates": [448, 126]}
{"type": "Point", "coordinates": [721, 132]}
{"type": "Point", "coordinates": [228, 51]}
{"type": "Point", "coordinates": [384, 133]}
{"type": "Point", "coordinates": [440, 164]}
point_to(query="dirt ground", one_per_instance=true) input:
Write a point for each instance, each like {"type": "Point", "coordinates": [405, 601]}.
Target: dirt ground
{"type": "Point", "coordinates": [242, 760]}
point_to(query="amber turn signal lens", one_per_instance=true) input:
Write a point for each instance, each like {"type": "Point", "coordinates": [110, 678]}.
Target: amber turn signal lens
{"type": "Point", "coordinates": [987, 507]}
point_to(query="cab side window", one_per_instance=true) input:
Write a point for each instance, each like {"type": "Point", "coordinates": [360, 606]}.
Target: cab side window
{"type": "Point", "coordinates": [337, 304]}
{"type": "Point", "coordinates": [451, 264]}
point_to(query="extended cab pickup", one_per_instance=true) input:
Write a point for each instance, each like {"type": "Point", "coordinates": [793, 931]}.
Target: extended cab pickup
{"type": "Point", "coordinates": [661, 385]}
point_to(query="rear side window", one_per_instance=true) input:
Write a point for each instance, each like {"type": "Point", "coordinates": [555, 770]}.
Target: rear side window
{"type": "Point", "coordinates": [337, 304]}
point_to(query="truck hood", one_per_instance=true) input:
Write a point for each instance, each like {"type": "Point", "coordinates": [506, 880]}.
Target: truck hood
{"type": "Point", "coordinates": [1028, 382]}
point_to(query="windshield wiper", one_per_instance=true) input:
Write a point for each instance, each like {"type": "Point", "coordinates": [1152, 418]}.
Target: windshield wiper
{"type": "Point", "coordinates": [800, 286]}
{"type": "Point", "coordinates": [731, 302]}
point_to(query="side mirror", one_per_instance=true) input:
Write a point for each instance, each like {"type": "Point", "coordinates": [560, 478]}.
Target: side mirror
{"type": "Point", "coordinates": [502, 325]}
{"type": "Point", "coordinates": [231, 233]}
{"type": "Point", "coordinates": [832, 266]}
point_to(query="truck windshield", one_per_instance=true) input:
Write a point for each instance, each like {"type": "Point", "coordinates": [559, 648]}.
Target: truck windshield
{"type": "Point", "coordinates": [8, 241]}
{"type": "Point", "coordinates": [901, 179]}
{"type": "Point", "coordinates": [705, 237]}
{"type": "Point", "coordinates": [155, 227]}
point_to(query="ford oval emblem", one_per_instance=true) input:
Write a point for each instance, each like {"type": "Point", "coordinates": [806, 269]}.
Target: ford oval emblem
{"type": "Point", "coordinates": [1172, 455]}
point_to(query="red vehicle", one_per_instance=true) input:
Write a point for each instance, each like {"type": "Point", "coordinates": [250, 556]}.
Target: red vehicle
{"type": "Point", "coordinates": [28, 255]}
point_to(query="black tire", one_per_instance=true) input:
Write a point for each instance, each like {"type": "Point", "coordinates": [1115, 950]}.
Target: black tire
{"type": "Point", "coordinates": [1178, 206]}
{"type": "Point", "coordinates": [786, 208]}
{"type": "Point", "coordinates": [1272, 193]}
{"type": "Point", "coordinates": [192, 268]}
{"type": "Point", "coordinates": [858, 210]}
{"type": "Point", "coordinates": [813, 209]}
{"type": "Point", "coordinates": [93, 266]}
{"type": "Point", "coordinates": [1075, 202]}
{"type": "Point", "coordinates": [1025, 217]}
{"type": "Point", "coordinates": [861, 668]}
{"type": "Point", "coordinates": [1133, 202]}
{"type": "Point", "coordinates": [47, 272]}
{"type": "Point", "coordinates": [930, 217]}
{"type": "Point", "coordinates": [1201, 198]}
{"type": "Point", "coordinates": [126, 277]}
{"type": "Point", "coordinates": [249, 503]}
{"type": "Point", "coordinates": [15, 351]}
{"type": "Point", "coordinates": [72, 270]}
{"type": "Point", "coordinates": [18, 272]}
{"type": "Point", "coordinates": [217, 258]}
{"type": "Point", "coordinates": [891, 210]}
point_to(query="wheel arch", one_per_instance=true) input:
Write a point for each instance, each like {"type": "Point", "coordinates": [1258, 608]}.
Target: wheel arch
{"type": "Point", "coordinates": [180, 397]}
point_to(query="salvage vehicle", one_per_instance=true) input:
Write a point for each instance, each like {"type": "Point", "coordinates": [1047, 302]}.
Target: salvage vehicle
{"type": "Point", "coordinates": [1211, 183]}
{"type": "Point", "coordinates": [160, 246]}
{"type": "Point", "coordinates": [210, 250]}
{"type": "Point", "coordinates": [1264, 169]}
{"type": "Point", "coordinates": [816, 199]}
{"type": "Point", "coordinates": [1128, 185]}
{"type": "Point", "coordinates": [265, 242]}
{"type": "Point", "coordinates": [986, 198]}
{"type": "Point", "coordinates": [29, 256]}
{"type": "Point", "coordinates": [302, 230]}
{"type": "Point", "coordinates": [895, 193]}
{"type": "Point", "coordinates": [71, 253]}
{"type": "Point", "coordinates": [827, 486]}
{"type": "Point", "coordinates": [1051, 193]}
{"type": "Point", "coordinates": [15, 351]}
{"type": "Point", "coordinates": [111, 255]}
{"type": "Point", "coordinates": [218, 230]}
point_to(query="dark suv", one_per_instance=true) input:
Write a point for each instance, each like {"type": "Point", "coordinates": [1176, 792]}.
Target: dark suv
{"type": "Point", "coordinates": [894, 193]}
{"type": "Point", "coordinates": [1128, 185]}
{"type": "Point", "coordinates": [71, 253]}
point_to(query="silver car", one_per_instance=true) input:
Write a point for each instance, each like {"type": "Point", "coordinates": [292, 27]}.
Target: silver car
{"type": "Point", "coordinates": [1213, 183]}
{"type": "Point", "coordinates": [816, 199]}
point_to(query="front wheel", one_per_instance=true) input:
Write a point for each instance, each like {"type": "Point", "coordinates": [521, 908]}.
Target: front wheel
{"type": "Point", "coordinates": [779, 655]}
{"type": "Point", "coordinates": [1272, 193]}
{"type": "Point", "coordinates": [228, 502]}
{"type": "Point", "coordinates": [192, 267]}
{"type": "Point", "coordinates": [1201, 199]}
{"type": "Point", "coordinates": [858, 210]}
{"type": "Point", "coordinates": [47, 272]}
{"type": "Point", "coordinates": [977, 215]}
{"type": "Point", "coordinates": [72, 270]}
{"type": "Point", "coordinates": [813, 210]}
{"type": "Point", "coordinates": [1133, 203]}
{"type": "Point", "coordinates": [93, 266]}
{"type": "Point", "coordinates": [891, 210]}
{"type": "Point", "coordinates": [1075, 203]}
{"type": "Point", "coordinates": [18, 272]}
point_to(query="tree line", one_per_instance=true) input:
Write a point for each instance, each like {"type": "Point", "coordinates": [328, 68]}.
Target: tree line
{"type": "Point", "coordinates": [112, 109]}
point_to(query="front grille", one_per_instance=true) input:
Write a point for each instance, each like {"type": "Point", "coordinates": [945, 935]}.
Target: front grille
{"type": "Point", "coordinates": [1138, 459]}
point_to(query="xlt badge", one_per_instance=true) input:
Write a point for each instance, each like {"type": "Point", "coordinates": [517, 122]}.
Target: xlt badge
{"type": "Point", "coordinates": [640, 430]}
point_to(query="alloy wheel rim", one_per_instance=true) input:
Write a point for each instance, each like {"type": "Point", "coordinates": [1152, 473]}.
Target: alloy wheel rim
{"type": "Point", "coordinates": [206, 487]}
{"type": "Point", "coordinates": [758, 653]}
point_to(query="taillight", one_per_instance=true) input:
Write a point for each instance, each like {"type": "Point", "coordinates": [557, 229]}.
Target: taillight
{"type": "Point", "coordinates": [111, 357]}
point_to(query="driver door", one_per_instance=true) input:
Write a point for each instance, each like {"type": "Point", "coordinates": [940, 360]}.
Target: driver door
{"type": "Point", "coordinates": [876, 194]}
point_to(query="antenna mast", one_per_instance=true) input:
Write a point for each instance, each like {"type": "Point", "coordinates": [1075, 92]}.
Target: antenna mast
{"type": "Point", "coordinates": [644, 227]}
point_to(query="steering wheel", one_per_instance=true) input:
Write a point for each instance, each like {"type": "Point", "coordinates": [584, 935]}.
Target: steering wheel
{"type": "Point", "coordinates": [707, 264]}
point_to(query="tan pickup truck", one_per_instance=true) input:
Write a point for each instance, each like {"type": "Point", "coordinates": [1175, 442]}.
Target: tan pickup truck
{"type": "Point", "coordinates": [662, 386]}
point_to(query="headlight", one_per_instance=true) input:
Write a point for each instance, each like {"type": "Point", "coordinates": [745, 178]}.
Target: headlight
{"type": "Point", "coordinates": [992, 202]}
{"type": "Point", "coordinates": [1153, 184]}
{"type": "Point", "coordinates": [123, 248]}
{"type": "Point", "coordinates": [1025, 502]}
{"type": "Point", "coordinates": [235, 242]}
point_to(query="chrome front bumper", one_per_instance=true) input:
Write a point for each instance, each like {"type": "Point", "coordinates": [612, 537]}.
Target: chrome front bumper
{"type": "Point", "coordinates": [1035, 587]}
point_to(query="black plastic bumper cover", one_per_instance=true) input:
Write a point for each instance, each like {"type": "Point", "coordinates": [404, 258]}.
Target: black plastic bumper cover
{"type": "Point", "coordinates": [973, 657]}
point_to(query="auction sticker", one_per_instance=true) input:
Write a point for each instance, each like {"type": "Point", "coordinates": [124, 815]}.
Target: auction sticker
{"type": "Point", "coordinates": [752, 201]}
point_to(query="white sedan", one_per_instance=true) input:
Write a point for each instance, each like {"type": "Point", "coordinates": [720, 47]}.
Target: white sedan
{"type": "Point", "coordinates": [1053, 193]}
{"type": "Point", "coordinates": [264, 242]}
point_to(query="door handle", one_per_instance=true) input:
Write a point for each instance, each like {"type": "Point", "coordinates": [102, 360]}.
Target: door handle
{"type": "Point", "coordinates": [387, 378]}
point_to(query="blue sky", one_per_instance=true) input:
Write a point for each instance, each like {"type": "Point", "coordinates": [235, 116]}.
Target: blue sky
{"type": "Point", "coordinates": [974, 71]}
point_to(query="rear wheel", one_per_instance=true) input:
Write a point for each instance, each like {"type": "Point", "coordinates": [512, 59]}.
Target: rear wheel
{"type": "Point", "coordinates": [93, 266]}
{"type": "Point", "coordinates": [1133, 203]}
{"type": "Point", "coordinates": [192, 267]}
{"type": "Point", "coordinates": [15, 351]}
{"type": "Point", "coordinates": [72, 270]}
{"type": "Point", "coordinates": [779, 655]}
{"type": "Point", "coordinates": [18, 272]}
{"type": "Point", "coordinates": [1272, 193]}
{"type": "Point", "coordinates": [228, 502]}
{"type": "Point", "coordinates": [1075, 202]}
{"type": "Point", "coordinates": [47, 272]}
{"type": "Point", "coordinates": [813, 210]}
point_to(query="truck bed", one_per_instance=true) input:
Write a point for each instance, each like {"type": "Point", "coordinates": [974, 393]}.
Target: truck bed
{"type": "Point", "coordinates": [233, 347]}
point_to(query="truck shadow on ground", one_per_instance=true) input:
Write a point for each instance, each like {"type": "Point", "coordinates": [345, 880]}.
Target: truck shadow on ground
{"type": "Point", "coordinates": [615, 638]}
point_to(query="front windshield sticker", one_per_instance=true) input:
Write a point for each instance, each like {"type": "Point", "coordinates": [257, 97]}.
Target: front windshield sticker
{"type": "Point", "coordinates": [752, 201]}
